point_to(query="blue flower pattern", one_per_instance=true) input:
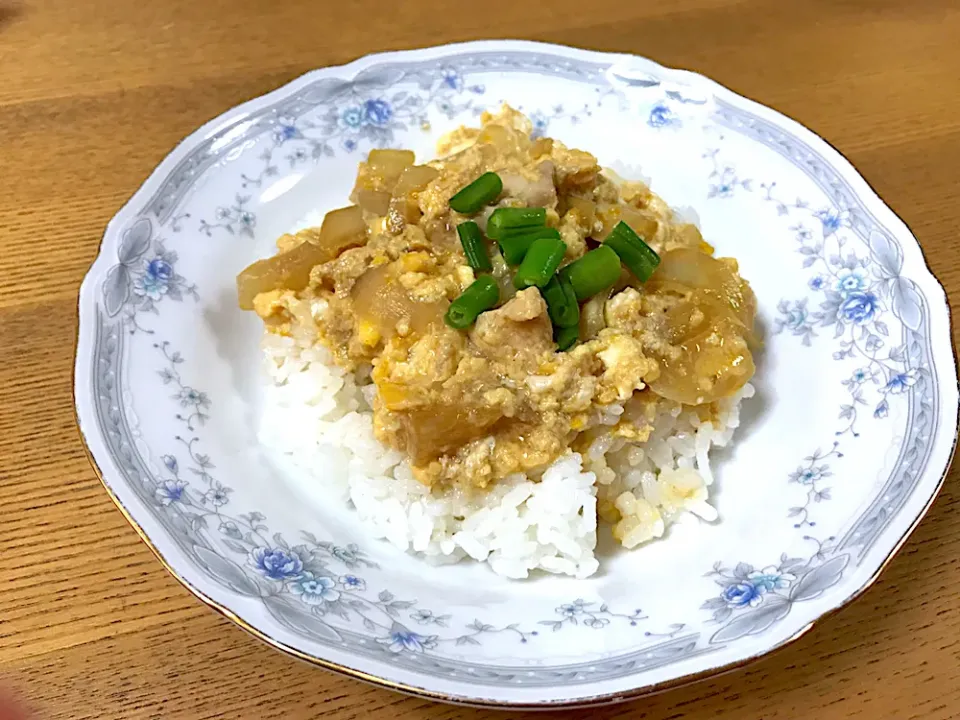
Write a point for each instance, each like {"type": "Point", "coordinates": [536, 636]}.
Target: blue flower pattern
{"type": "Point", "coordinates": [540, 124]}
{"type": "Point", "coordinates": [315, 590]}
{"type": "Point", "coordinates": [235, 218]}
{"type": "Point", "coordinates": [900, 382]}
{"type": "Point", "coordinates": [452, 79]}
{"type": "Point", "coordinates": [377, 112]}
{"type": "Point", "coordinates": [542, 118]}
{"type": "Point", "coordinates": [662, 116]}
{"type": "Point", "coordinates": [848, 281]}
{"type": "Point", "coordinates": [853, 307]}
{"type": "Point", "coordinates": [742, 593]}
{"type": "Point", "coordinates": [723, 181]}
{"type": "Point", "coordinates": [154, 282]}
{"type": "Point", "coordinates": [276, 563]}
{"type": "Point", "coordinates": [743, 587]}
{"type": "Point", "coordinates": [145, 277]}
{"type": "Point", "coordinates": [858, 307]}
{"type": "Point", "coordinates": [352, 582]}
{"type": "Point", "coordinates": [811, 476]}
{"type": "Point", "coordinates": [286, 129]}
{"type": "Point", "coordinates": [851, 288]}
{"type": "Point", "coordinates": [400, 639]}
{"type": "Point", "coordinates": [666, 112]}
{"type": "Point", "coordinates": [170, 491]}
{"type": "Point", "coordinates": [830, 221]}
{"type": "Point", "coordinates": [358, 121]}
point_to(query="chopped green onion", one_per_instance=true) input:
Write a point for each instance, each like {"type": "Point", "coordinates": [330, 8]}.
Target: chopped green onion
{"type": "Point", "coordinates": [561, 302]}
{"type": "Point", "coordinates": [639, 257]}
{"type": "Point", "coordinates": [566, 337]}
{"type": "Point", "coordinates": [482, 295]}
{"type": "Point", "coordinates": [595, 271]}
{"type": "Point", "coordinates": [515, 243]}
{"type": "Point", "coordinates": [480, 192]}
{"type": "Point", "coordinates": [504, 219]}
{"type": "Point", "coordinates": [472, 240]}
{"type": "Point", "coordinates": [540, 263]}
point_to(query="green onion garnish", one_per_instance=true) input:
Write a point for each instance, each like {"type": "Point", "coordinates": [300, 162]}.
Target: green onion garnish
{"type": "Point", "coordinates": [482, 295]}
{"type": "Point", "coordinates": [473, 247]}
{"type": "Point", "coordinates": [540, 263]}
{"type": "Point", "coordinates": [480, 192]}
{"type": "Point", "coordinates": [594, 272]}
{"type": "Point", "coordinates": [566, 337]}
{"type": "Point", "coordinates": [504, 219]}
{"type": "Point", "coordinates": [515, 243]}
{"type": "Point", "coordinates": [639, 257]}
{"type": "Point", "coordinates": [561, 302]}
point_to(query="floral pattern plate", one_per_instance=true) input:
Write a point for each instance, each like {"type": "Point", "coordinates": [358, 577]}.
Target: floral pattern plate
{"type": "Point", "coordinates": [839, 455]}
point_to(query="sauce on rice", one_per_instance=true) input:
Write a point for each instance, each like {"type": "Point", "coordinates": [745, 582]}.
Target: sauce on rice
{"type": "Point", "coordinates": [471, 406]}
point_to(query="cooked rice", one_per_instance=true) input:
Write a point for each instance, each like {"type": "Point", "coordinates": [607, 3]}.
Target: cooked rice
{"type": "Point", "coordinates": [320, 414]}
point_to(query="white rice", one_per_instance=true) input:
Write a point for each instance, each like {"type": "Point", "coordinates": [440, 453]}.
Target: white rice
{"type": "Point", "coordinates": [320, 415]}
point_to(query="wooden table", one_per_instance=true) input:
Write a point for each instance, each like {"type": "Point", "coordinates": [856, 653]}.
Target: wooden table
{"type": "Point", "coordinates": [95, 93]}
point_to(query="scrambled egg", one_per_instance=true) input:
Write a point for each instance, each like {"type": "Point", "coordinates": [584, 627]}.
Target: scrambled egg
{"type": "Point", "coordinates": [477, 405]}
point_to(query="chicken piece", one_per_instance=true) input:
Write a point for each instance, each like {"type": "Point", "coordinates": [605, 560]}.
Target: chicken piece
{"type": "Point", "coordinates": [432, 399]}
{"type": "Point", "coordinates": [341, 274]}
{"type": "Point", "coordinates": [503, 145]}
{"type": "Point", "coordinates": [456, 172]}
{"type": "Point", "coordinates": [518, 334]}
{"type": "Point", "coordinates": [527, 305]}
{"type": "Point", "coordinates": [533, 188]}
{"type": "Point", "coordinates": [574, 169]}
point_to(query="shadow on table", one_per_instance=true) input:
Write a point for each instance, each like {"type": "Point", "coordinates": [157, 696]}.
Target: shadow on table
{"type": "Point", "coordinates": [9, 11]}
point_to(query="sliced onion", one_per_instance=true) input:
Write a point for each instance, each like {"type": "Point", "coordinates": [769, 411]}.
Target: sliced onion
{"type": "Point", "coordinates": [718, 286]}
{"type": "Point", "coordinates": [380, 299]}
{"type": "Point", "coordinates": [586, 208]}
{"type": "Point", "coordinates": [388, 164]}
{"type": "Point", "coordinates": [592, 317]}
{"type": "Point", "coordinates": [341, 229]}
{"type": "Point", "coordinates": [286, 271]}
{"type": "Point", "coordinates": [503, 275]}
{"type": "Point", "coordinates": [609, 215]}
{"type": "Point", "coordinates": [711, 365]}
{"type": "Point", "coordinates": [431, 431]}
{"type": "Point", "coordinates": [415, 179]}
{"type": "Point", "coordinates": [374, 201]}
{"type": "Point", "coordinates": [689, 235]}
{"type": "Point", "coordinates": [644, 224]}
{"type": "Point", "coordinates": [381, 171]}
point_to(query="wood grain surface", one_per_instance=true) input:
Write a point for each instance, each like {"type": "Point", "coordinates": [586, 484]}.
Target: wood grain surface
{"type": "Point", "coordinates": [94, 93]}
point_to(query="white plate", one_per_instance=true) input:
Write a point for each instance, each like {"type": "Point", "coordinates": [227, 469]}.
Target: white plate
{"type": "Point", "coordinates": [840, 454]}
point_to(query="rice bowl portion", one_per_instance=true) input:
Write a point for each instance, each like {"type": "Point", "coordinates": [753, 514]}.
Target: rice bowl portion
{"type": "Point", "coordinates": [320, 415]}
{"type": "Point", "coordinates": [540, 433]}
